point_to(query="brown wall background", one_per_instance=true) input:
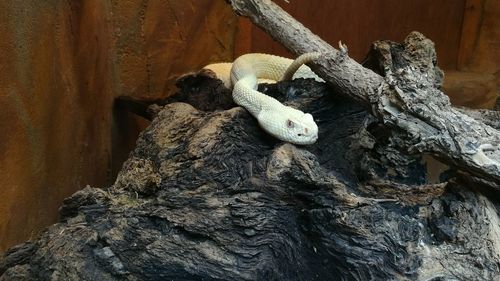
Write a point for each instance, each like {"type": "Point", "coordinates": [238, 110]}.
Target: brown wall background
{"type": "Point", "coordinates": [358, 23]}
{"type": "Point", "coordinates": [52, 130]}
{"type": "Point", "coordinates": [64, 63]}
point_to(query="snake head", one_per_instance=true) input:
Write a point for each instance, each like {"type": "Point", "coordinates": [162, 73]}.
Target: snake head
{"type": "Point", "coordinates": [302, 130]}
{"type": "Point", "coordinates": [294, 126]}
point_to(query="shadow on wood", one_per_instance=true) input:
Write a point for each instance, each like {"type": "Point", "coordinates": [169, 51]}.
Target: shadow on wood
{"type": "Point", "coordinates": [207, 195]}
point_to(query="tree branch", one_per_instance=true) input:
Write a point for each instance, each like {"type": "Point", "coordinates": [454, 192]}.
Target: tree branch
{"type": "Point", "coordinates": [407, 99]}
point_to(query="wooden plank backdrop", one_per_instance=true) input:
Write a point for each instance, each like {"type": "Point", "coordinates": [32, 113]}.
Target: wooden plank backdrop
{"type": "Point", "coordinates": [359, 23]}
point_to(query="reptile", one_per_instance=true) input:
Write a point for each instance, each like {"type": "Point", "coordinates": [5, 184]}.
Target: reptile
{"type": "Point", "coordinates": [281, 121]}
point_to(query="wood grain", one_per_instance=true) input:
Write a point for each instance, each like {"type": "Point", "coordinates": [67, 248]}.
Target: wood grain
{"type": "Point", "coordinates": [63, 64]}
{"type": "Point", "coordinates": [359, 23]}
{"type": "Point", "coordinates": [470, 30]}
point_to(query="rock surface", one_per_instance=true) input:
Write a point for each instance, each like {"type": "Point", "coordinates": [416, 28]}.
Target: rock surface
{"type": "Point", "coordinates": [207, 195]}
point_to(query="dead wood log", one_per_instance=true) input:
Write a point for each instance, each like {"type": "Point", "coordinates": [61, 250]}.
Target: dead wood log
{"type": "Point", "coordinates": [406, 99]}
{"type": "Point", "coordinates": [207, 195]}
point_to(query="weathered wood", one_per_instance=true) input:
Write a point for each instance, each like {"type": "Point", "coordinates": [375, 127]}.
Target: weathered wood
{"type": "Point", "coordinates": [207, 195]}
{"type": "Point", "coordinates": [407, 99]}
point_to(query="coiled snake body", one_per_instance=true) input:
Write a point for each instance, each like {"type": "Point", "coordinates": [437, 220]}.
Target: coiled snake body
{"type": "Point", "coordinates": [283, 122]}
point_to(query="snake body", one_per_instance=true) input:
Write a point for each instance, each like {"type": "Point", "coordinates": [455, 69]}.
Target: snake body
{"type": "Point", "coordinates": [283, 122]}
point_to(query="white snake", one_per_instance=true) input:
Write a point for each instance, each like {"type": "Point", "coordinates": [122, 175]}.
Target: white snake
{"type": "Point", "coordinates": [283, 122]}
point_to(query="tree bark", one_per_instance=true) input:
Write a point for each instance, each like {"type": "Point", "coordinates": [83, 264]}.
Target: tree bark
{"type": "Point", "coordinates": [407, 99]}
{"type": "Point", "coordinates": [207, 195]}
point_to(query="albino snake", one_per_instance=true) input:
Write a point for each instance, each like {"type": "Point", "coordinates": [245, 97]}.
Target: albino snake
{"type": "Point", "coordinates": [283, 122]}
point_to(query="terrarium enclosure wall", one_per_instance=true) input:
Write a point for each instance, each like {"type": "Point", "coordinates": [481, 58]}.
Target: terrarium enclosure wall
{"type": "Point", "coordinates": [70, 70]}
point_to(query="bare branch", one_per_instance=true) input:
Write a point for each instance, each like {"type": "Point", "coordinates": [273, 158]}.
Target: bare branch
{"type": "Point", "coordinates": [407, 99]}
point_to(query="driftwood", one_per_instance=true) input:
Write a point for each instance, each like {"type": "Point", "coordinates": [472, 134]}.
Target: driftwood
{"type": "Point", "coordinates": [207, 195]}
{"type": "Point", "coordinates": [406, 99]}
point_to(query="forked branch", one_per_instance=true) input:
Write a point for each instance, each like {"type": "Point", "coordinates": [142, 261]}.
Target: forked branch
{"type": "Point", "coordinates": [406, 99]}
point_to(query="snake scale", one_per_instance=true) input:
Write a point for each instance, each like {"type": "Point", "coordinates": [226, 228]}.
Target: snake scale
{"type": "Point", "coordinates": [281, 121]}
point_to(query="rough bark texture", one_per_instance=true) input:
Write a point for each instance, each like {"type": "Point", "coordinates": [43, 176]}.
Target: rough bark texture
{"type": "Point", "coordinates": [407, 100]}
{"type": "Point", "coordinates": [207, 195]}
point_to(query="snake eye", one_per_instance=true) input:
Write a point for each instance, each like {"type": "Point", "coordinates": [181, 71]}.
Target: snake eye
{"type": "Point", "coordinates": [289, 123]}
